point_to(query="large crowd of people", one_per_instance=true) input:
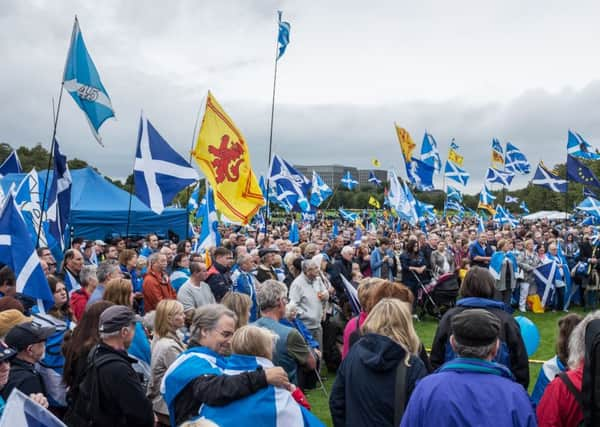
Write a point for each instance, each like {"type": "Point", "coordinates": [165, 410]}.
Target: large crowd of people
{"type": "Point", "coordinates": [148, 332]}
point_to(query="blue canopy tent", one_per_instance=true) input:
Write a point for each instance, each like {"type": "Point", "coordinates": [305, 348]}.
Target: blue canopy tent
{"type": "Point", "coordinates": [99, 208]}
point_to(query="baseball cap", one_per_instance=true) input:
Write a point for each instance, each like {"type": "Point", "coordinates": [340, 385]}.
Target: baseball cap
{"type": "Point", "coordinates": [475, 327]}
{"type": "Point", "coordinates": [26, 334]}
{"type": "Point", "coordinates": [100, 243]}
{"type": "Point", "coordinates": [114, 318]}
{"type": "Point", "coordinates": [6, 353]}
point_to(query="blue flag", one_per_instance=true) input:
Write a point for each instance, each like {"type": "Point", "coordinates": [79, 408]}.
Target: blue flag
{"type": "Point", "coordinates": [420, 174]}
{"type": "Point", "coordinates": [294, 236]}
{"type": "Point", "coordinates": [515, 161]}
{"type": "Point", "coordinates": [348, 216]}
{"type": "Point", "coordinates": [82, 81]}
{"type": "Point", "coordinates": [335, 230]}
{"type": "Point", "coordinates": [159, 171]}
{"type": "Point", "coordinates": [455, 173]}
{"type": "Point", "coordinates": [454, 193]}
{"type": "Point", "coordinates": [283, 37]}
{"type": "Point", "coordinates": [589, 193]}
{"type": "Point", "coordinates": [287, 183]}
{"type": "Point", "coordinates": [59, 198]}
{"type": "Point", "coordinates": [11, 164]}
{"type": "Point", "coordinates": [590, 206]}
{"type": "Point", "coordinates": [348, 181]}
{"type": "Point", "coordinates": [193, 200]}
{"type": "Point", "coordinates": [429, 152]}
{"type": "Point", "coordinates": [320, 191]}
{"type": "Point", "coordinates": [544, 178]}
{"type": "Point", "coordinates": [209, 234]}
{"type": "Point", "coordinates": [579, 147]}
{"type": "Point", "coordinates": [497, 176]}
{"type": "Point", "coordinates": [524, 207]}
{"type": "Point", "coordinates": [20, 410]}
{"type": "Point", "coordinates": [578, 172]}
{"type": "Point", "coordinates": [373, 179]}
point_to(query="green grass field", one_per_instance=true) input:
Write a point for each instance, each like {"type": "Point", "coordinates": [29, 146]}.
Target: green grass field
{"type": "Point", "coordinates": [546, 323]}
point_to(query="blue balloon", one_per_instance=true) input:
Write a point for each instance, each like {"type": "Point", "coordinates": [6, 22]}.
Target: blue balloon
{"type": "Point", "coordinates": [530, 334]}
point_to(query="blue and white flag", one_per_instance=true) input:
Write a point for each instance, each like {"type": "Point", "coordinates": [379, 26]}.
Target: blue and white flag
{"type": "Point", "coordinates": [352, 295]}
{"type": "Point", "coordinates": [193, 200]}
{"type": "Point", "coordinates": [515, 161]}
{"type": "Point", "coordinates": [590, 206]}
{"type": "Point", "coordinates": [294, 235]}
{"type": "Point", "coordinates": [486, 197]}
{"type": "Point", "coordinates": [159, 171]}
{"type": "Point", "coordinates": [320, 191]}
{"type": "Point", "coordinates": [430, 154]}
{"type": "Point", "coordinates": [373, 179]}
{"type": "Point", "coordinates": [21, 411]}
{"type": "Point", "coordinates": [27, 198]}
{"type": "Point", "coordinates": [500, 177]}
{"type": "Point", "coordinates": [398, 199]}
{"type": "Point", "coordinates": [284, 179]}
{"type": "Point", "coordinates": [11, 164]}
{"type": "Point", "coordinates": [498, 259]}
{"type": "Point", "coordinates": [420, 174]}
{"type": "Point", "coordinates": [453, 172]}
{"type": "Point", "coordinates": [348, 181]}
{"type": "Point", "coordinates": [283, 36]}
{"type": "Point", "coordinates": [82, 81]}
{"type": "Point", "coordinates": [504, 217]}
{"type": "Point", "coordinates": [59, 198]}
{"type": "Point", "coordinates": [347, 215]}
{"type": "Point", "coordinates": [511, 199]}
{"type": "Point", "coordinates": [454, 193]}
{"type": "Point", "coordinates": [589, 193]}
{"type": "Point", "coordinates": [545, 275]}
{"type": "Point", "coordinates": [453, 205]}
{"type": "Point", "coordinates": [335, 229]}
{"type": "Point", "coordinates": [480, 225]}
{"type": "Point", "coordinates": [544, 178]}
{"type": "Point", "coordinates": [454, 145]}
{"type": "Point", "coordinates": [408, 210]}
{"type": "Point", "coordinates": [18, 252]}
{"type": "Point", "coordinates": [524, 207]}
{"type": "Point", "coordinates": [579, 147]}
{"type": "Point", "coordinates": [309, 216]}
{"type": "Point", "coordinates": [209, 234]}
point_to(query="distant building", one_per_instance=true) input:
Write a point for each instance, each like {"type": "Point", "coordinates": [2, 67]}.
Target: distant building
{"type": "Point", "coordinates": [332, 174]}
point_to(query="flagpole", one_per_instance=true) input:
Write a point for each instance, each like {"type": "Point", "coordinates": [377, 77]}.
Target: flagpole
{"type": "Point", "coordinates": [187, 193]}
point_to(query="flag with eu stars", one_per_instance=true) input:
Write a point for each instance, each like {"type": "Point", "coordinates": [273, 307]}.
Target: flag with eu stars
{"type": "Point", "coordinates": [578, 172]}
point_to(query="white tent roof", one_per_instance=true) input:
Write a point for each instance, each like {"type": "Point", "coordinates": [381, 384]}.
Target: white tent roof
{"type": "Point", "coordinates": [551, 215]}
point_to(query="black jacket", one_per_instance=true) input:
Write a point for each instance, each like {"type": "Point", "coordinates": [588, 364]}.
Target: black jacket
{"type": "Point", "coordinates": [340, 267]}
{"type": "Point", "coordinates": [219, 280]}
{"type": "Point", "coordinates": [216, 390]}
{"type": "Point", "coordinates": [23, 377]}
{"type": "Point", "coordinates": [363, 393]}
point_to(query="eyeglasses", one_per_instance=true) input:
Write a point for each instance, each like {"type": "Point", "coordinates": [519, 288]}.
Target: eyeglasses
{"type": "Point", "coordinates": [225, 334]}
{"type": "Point", "coordinates": [51, 264]}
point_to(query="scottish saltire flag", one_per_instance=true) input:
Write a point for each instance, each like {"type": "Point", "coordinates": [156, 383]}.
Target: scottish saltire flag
{"type": "Point", "coordinates": [578, 172]}
{"type": "Point", "coordinates": [453, 205]}
{"type": "Point", "coordinates": [515, 160]}
{"type": "Point", "coordinates": [294, 235]}
{"type": "Point", "coordinates": [480, 225]}
{"type": "Point", "coordinates": [545, 275]}
{"type": "Point", "coordinates": [352, 295]}
{"type": "Point", "coordinates": [420, 174]}
{"type": "Point", "coordinates": [486, 200]}
{"type": "Point", "coordinates": [193, 200]}
{"type": "Point", "coordinates": [319, 191]}
{"type": "Point", "coordinates": [398, 199]}
{"type": "Point", "coordinates": [11, 164]}
{"type": "Point", "coordinates": [589, 193]}
{"type": "Point", "coordinates": [285, 198]}
{"type": "Point", "coordinates": [500, 177]}
{"type": "Point", "coordinates": [498, 259]}
{"type": "Point", "coordinates": [373, 179]}
{"type": "Point", "coordinates": [511, 199]}
{"type": "Point", "coordinates": [285, 179]}
{"type": "Point", "coordinates": [209, 234]}
{"type": "Point", "coordinates": [347, 215]}
{"type": "Point", "coordinates": [544, 178]}
{"type": "Point", "coordinates": [504, 217]}
{"type": "Point", "coordinates": [348, 181]}
{"type": "Point", "coordinates": [283, 37]}
{"type": "Point", "coordinates": [454, 145]}
{"type": "Point", "coordinates": [27, 198]}
{"type": "Point", "coordinates": [524, 207]}
{"type": "Point", "coordinates": [82, 81]}
{"type": "Point", "coordinates": [159, 171]}
{"type": "Point", "coordinates": [455, 173]}
{"type": "Point", "coordinates": [18, 252]}
{"type": "Point", "coordinates": [590, 206]}
{"type": "Point", "coordinates": [429, 152]}
{"type": "Point", "coordinates": [21, 411]}
{"type": "Point", "coordinates": [497, 154]}
{"type": "Point", "coordinates": [408, 209]}
{"type": "Point", "coordinates": [58, 209]}
{"type": "Point", "coordinates": [579, 147]}
{"type": "Point", "coordinates": [454, 193]}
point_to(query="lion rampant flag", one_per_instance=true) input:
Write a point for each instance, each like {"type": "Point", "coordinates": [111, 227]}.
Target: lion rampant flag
{"type": "Point", "coordinates": [455, 158]}
{"type": "Point", "coordinates": [222, 154]}
{"type": "Point", "coordinates": [406, 143]}
{"type": "Point", "coordinates": [374, 202]}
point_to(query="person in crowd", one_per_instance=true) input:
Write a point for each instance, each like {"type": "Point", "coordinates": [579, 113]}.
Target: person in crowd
{"type": "Point", "coordinates": [265, 270]}
{"type": "Point", "coordinates": [480, 252]}
{"type": "Point", "coordinates": [382, 260]}
{"type": "Point", "coordinates": [472, 389]}
{"type": "Point", "coordinates": [293, 262]}
{"type": "Point", "coordinates": [527, 261]}
{"type": "Point", "coordinates": [218, 275]}
{"type": "Point", "coordinates": [356, 322]}
{"type": "Point", "coordinates": [184, 247]}
{"type": "Point", "coordinates": [8, 282]}
{"type": "Point", "coordinates": [181, 270]}
{"type": "Point", "coordinates": [383, 365]}
{"type": "Point", "coordinates": [29, 341]}
{"type": "Point", "coordinates": [80, 297]}
{"type": "Point", "coordinates": [152, 246]}
{"type": "Point", "coordinates": [505, 272]}
{"type": "Point", "coordinates": [89, 253]}
{"type": "Point", "coordinates": [342, 267]}
{"type": "Point", "coordinates": [195, 378]}
{"type": "Point", "coordinates": [240, 304]}
{"type": "Point", "coordinates": [107, 270]}
{"type": "Point", "coordinates": [414, 269]}
{"type": "Point", "coordinates": [559, 406]}
{"type": "Point", "coordinates": [363, 259]}
{"type": "Point", "coordinates": [195, 292]}
{"type": "Point", "coordinates": [291, 350]}
{"type": "Point", "coordinates": [11, 317]}
{"type": "Point", "coordinates": [111, 253]}
{"type": "Point", "coordinates": [442, 260]}
{"type": "Point", "coordinates": [461, 252]}
{"type": "Point", "coordinates": [477, 291]}
{"type": "Point", "coordinates": [245, 282]}
{"type": "Point", "coordinates": [157, 285]}
{"type": "Point", "coordinates": [166, 346]}
{"type": "Point", "coordinates": [111, 393]}
{"type": "Point", "coordinates": [128, 260]}
{"type": "Point", "coordinates": [72, 265]}
{"type": "Point", "coordinates": [551, 368]}
{"type": "Point", "coordinates": [46, 255]}
{"type": "Point", "coordinates": [309, 294]}
{"type": "Point", "coordinates": [427, 247]}
{"type": "Point", "coordinates": [560, 279]}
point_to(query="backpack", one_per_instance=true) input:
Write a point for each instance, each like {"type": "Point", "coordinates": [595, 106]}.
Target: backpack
{"type": "Point", "coordinates": [591, 375]}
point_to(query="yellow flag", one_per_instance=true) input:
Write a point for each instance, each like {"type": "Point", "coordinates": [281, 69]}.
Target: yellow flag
{"type": "Point", "coordinates": [406, 143]}
{"type": "Point", "coordinates": [376, 163]}
{"type": "Point", "coordinates": [374, 202]}
{"type": "Point", "coordinates": [488, 208]}
{"type": "Point", "coordinates": [222, 154]}
{"type": "Point", "coordinates": [497, 159]}
{"type": "Point", "coordinates": [455, 158]}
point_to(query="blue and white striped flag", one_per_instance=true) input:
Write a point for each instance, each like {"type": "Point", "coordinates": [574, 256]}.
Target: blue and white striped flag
{"type": "Point", "coordinates": [82, 81]}
{"type": "Point", "coordinates": [283, 36]}
{"type": "Point", "coordinates": [454, 193]}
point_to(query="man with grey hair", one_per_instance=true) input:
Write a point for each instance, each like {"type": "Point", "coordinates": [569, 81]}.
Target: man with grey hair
{"type": "Point", "coordinates": [81, 296]}
{"type": "Point", "coordinates": [157, 285]}
{"type": "Point", "coordinates": [195, 292]}
{"type": "Point", "coordinates": [471, 388]}
{"type": "Point", "coordinates": [245, 282]}
{"type": "Point", "coordinates": [310, 294]}
{"type": "Point", "coordinates": [290, 349]}
{"type": "Point", "coordinates": [106, 271]}
{"type": "Point", "coordinates": [342, 267]}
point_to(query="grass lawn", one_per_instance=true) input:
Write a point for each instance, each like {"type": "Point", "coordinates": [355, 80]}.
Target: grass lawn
{"type": "Point", "coordinates": [546, 323]}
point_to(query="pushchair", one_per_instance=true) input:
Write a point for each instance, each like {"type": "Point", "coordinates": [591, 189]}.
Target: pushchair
{"type": "Point", "coordinates": [438, 296]}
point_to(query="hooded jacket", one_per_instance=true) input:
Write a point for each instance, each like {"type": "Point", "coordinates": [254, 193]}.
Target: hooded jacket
{"type": "Point", "coordinates": [364, 390]}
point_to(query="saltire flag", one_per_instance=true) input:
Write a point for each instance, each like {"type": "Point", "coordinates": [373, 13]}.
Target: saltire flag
{"type": "Point", "coordinates": [352, 295]}
{"type": "Point", "coordinates": [11, 164]}
{"type": "Point", "coordinates": [429, 152]}
{"type": "Point", "coordinates": [347, 215]}
{"type": "Point", "coordinates": [588, 193]}
{"type": "Point", "coordinates": [497, 176]}
{"type": "Point", "coordinates": [283, 36]}
{"type": "Point", "coordinates": [545, 275]}
{"type": "Point", "coordinates": [27, 198]}
{"type": "Point", "coordinates": [348, 181]}
{"type": "Point", "coordinates": [511, 199]}
{"type": "Point", "coordinates": [497, 154]}
{"type": "Point", "coordinates": [20, 410]}
{"type": "Point", "coordinates": [590, 206]}
{"type": "Point", "coordinates": [319, 191]}
{"type": "Point", "coordinates": [453, 205]}
{"type": "Point", "coordinates": [58, 211]}
{"type": "Point", "coordinates": [455, 173]}
{"type": "Point", "coordinates": [373, 179]}
{"type": "Point", "coordinates": [480, 225]}
{"type": "Point", "coordinates": [454, 193]}
{"type": "Point", "coordinates": [289, 184]}
{"type": "Point", "coordinates": [515, 160]}
{"type": "Point", "coordinates": [222, 154]}
{"type": "Point", "coordinates": [159, 171]}
{"type": "Point", "coordinates": [579, 147]}
{"type": "Point", "coordinates": [420, 174]}
{"type": "Point", "coordinates": [453, 144]}
{"type": "Point", "coordinates": [544, 178]}
{"type": "Point", "coordinates": [294, 235]}
{"type": "Point", "coordinates": [376, 163]}
{"type": "Point", "coordinates": [374, 202]}
{"type": "Point", "coordinates": [524, 207]}
{"type": "Point", "coordinates": [504, 217]}
{"type": "Point", "coordinates": [18, 252]}
{"type": "Point", "coordinates": [486, 200]}
{"type": "Point", "coordinates": [408, 210]}
{"type": "Point", "coordinates": [287, 199]}
{"type": "Point", "coordinates": [193, 200]}
{"type": "Point", "coordinates": [82, 81]}
{"type": "Point", "coordinates": [497, 260]}
{"type": "Point", "coordinates": [407, 144]}
{"type": "Point", "coordinates": [578, 172]}
{"type": "Point", "coordinates": [209, 233]}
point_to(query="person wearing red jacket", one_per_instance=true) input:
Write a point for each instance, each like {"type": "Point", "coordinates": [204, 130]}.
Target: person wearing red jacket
{"type": "Point", "coordinates": [157, 286]}
{"type": "Point", "coordinates": [80, 297]}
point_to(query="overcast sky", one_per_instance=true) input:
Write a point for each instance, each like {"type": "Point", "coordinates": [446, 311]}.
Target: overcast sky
{"type": "Point", "coordinates": [523, 72]}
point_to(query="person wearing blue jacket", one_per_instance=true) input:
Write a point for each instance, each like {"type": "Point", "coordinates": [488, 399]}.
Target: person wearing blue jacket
{"type": "Point", "coordinates": [471, 390]}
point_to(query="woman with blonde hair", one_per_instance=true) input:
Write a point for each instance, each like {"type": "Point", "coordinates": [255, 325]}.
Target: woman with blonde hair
{"type": "Point", "coordinates": [166, 346]}
{"type": "Point", "coordinates": [119, 292]}
{"type": "Point", "coordinates": [240, 304]}
{"type": "Point", "coordinates": [376, 379]}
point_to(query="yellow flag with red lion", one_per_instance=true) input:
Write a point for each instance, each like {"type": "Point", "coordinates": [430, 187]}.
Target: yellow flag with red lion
{"type": "Point", "coordinates": [222, 154]}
